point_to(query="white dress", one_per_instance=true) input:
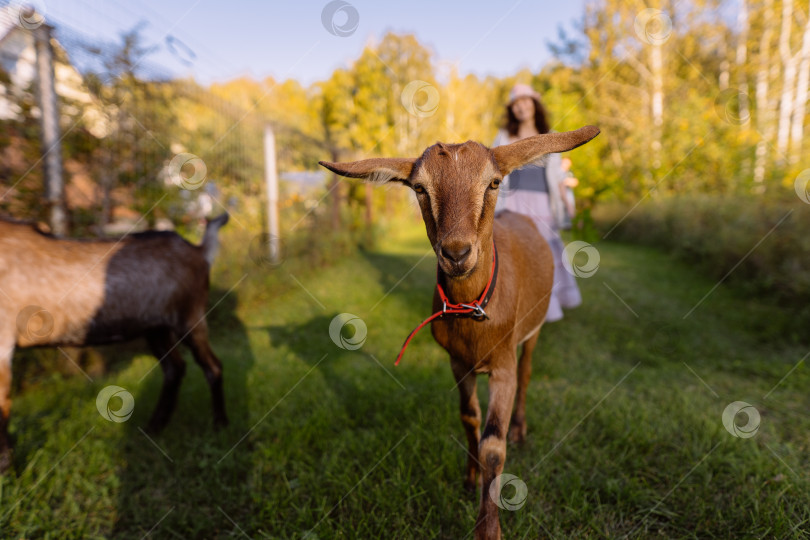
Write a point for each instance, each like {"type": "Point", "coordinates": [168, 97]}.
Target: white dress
{"type": "Point", "coordinates": [535, 192]}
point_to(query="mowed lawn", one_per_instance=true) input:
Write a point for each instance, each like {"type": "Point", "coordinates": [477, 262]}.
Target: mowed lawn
{"type": "Point", "coordinates": [626, 437]}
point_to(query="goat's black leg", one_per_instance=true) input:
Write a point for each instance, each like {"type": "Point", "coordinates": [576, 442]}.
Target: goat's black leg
{"type": "Point", "coordinates": [197, 341]}
{"type": "Point", "coordinates": [6, 351]}
{"type": "Point", "coordinates": [164, 346]}
{"type": "Point", "coordinates": [6, 454]}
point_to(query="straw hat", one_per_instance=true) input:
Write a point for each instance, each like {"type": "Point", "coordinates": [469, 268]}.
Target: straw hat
{"type": "Point", "coordinates": [522, 90]}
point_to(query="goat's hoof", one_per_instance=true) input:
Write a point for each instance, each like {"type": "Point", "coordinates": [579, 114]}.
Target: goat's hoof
{"type": "Point", "coordinates": [220, 423]}
{"type": "Point", "coordinates": [517, 433]}
{"type": "Point", "coordinates": [154, 427]}
{"type": "Point", "coordinates": [472, 484]}
{"type": "Point", "coordinates": [6, 459]}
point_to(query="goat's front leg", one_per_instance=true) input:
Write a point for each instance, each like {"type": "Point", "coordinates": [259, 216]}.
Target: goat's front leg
{"type": "Point", "coordinates": [6, 352]}
{"type": "Point", "coordinates": [470, 418]}
{"type": "Point", "coordinates": [492, 449]}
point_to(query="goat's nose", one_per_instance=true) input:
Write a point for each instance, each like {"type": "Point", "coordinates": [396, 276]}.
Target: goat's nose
{"type": "Point", "coordinates": [456, 253]}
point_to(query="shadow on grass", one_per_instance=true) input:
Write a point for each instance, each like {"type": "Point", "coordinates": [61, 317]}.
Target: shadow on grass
{"type": "Point", "coordinates": [408, 277]}
{"type": "Point", "coordinates": [197, 483]}
{"type": "Point", "coordinates": [172, 481]}
{"type": "Point", "coordinates": [342, 369]}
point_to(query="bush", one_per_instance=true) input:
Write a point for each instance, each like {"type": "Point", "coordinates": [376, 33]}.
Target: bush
{"type": "Point", "coordinates": [763, 245]}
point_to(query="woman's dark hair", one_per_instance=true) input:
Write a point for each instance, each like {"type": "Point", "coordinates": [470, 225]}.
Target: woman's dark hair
{"type": "Point", "coordinates": [540, 119]}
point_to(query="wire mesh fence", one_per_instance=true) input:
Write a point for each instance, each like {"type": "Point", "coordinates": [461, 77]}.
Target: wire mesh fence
{"type": "Point", "coordinates": [140, 145]}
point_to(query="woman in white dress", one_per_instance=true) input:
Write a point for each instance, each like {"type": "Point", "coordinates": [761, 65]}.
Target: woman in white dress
{"type": "Point", "coordinates": [534, 190]}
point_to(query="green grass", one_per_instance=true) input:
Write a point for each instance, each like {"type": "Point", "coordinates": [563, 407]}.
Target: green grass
{"type": "Point", "coordinates": [624, 414]}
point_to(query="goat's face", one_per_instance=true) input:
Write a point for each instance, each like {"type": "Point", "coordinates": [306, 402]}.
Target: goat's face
{"type": "Point", "coordinates": [457, 187]}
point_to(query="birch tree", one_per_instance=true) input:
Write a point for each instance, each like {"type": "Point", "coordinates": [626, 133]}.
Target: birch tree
{"type": "Point", "coordinates": [789, 62]}
{"type": "Point", "coordinates": [764, 119]}
{"type": "Point", "coordinates": [799, 106]}
{"type": "Point", "coordinates": [742, 57]}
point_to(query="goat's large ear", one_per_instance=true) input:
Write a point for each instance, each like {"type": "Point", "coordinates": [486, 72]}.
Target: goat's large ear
{"type": "Point", "coordinates": [378, 170]}
{"type": "Point", "coordinates": [511, 156]}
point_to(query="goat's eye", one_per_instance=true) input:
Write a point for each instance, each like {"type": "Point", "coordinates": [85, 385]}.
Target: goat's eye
{"type": "Point", "coordinates": [495, 183]}
{"type": "Point", "coordinates": [419, 188]}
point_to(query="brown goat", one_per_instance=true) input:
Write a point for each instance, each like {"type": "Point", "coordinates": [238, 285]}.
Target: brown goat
{"type": "Point", "coordinates": [457, 187]}
{"type": "Point", "coordinates": [56, 292]}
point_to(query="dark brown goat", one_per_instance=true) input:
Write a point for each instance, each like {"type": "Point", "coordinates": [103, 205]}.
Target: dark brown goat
{"type": "Point", "coordinates": [154, 284]}
{"type": "Point", "coordinates": [457, 186]}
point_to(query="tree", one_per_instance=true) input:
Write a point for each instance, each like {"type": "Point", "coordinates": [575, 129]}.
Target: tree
{"type": "Point", "coordinates": [136, 111]}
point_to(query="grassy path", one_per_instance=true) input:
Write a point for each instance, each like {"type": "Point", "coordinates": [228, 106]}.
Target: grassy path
{"type": "Point", "coordinates": [624, 415]}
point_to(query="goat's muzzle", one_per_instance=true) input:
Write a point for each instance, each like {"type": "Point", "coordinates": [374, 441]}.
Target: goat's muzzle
{"type": "Point", "coordinates": [457, 258]}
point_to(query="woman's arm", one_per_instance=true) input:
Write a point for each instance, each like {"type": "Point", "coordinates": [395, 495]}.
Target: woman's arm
{"type": "Point", "coordinates": [564, 185]}
{"type": "Point", "coordinates": [555, 177]}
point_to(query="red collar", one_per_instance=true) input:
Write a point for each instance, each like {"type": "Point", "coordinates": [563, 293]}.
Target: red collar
{"type": "Point", "coordinates": [474, 310]}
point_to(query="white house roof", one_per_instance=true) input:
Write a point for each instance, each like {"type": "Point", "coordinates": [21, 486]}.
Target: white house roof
{"type": "Point", "coordinates": [18, 60]}
{"type": "Point", "coordinates": [8, 20]}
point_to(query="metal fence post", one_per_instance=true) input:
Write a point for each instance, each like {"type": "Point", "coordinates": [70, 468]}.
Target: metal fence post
{"type": "Point", "coordinates": [271, 177]}
{"type": "Point", "coordinates": [49, 132]}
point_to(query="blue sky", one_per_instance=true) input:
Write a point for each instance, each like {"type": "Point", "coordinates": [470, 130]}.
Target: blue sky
{"type": "Point", "coordinates": [216, 41]}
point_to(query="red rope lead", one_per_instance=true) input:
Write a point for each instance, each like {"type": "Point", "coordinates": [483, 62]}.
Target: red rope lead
{"type": "Point", "coordinates": [475, 310]}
